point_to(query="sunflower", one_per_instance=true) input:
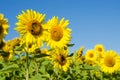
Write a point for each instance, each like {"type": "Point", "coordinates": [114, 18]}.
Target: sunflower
{"type": "Point", "coordinates": [61, 59]}
{"type": "Point", "coordinates": [99, 48]}
{"type": "Point", "coordinates": [8, 48]}
{"type": "Point", "coordinates": [90, 57]}
{"type": "Point", "coordinates": [79, 54]}
{"type": "Point", "coordinates": [111, 62]}
{"type": "Point", "coordinates": [3, 27]}
{"type": "Point", "coordinates": [58, 33]}
{"type": "Point", "coordinates": [14, 42]}
{"type": "Point", "coordinates": [30, 27]}
{"type": "Point", "coordinates": [7, 51]}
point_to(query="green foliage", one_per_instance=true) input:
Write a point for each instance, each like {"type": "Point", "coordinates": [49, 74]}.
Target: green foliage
{"type": "Point", "coordinates": [9, 68]}
{"type": "Point", "coordinates": [41, 68]}
{"type": "Point", "coordinates": [40, 55]}
{"type": "Point", "coordinates": [70, 45]}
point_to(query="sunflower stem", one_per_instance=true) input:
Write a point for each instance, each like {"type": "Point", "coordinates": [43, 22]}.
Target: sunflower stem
{"type": "Point", "coordinates": [27, 66]}
{"type": "Point", "coordinates": [36, 66]}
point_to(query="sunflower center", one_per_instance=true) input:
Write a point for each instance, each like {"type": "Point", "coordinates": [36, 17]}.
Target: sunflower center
{"type": "Point", "coordinates": [100, 49]}
{"type": "Point", "coordinates": [61, 59]}
{"type": "Point", "coordinates": [56, 33]}
{"type": "Point", "coordinates": [91, 55]}
{"type": "Point", "coordinates": [109, 61]}
{"type": "Point", "coordinates": [34, 27]}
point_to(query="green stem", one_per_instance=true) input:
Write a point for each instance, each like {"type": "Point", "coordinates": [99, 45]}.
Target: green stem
{"type": "Point", "coordinates": [27, 66]}
{"type": "Point", "coordinates": [36, 66]}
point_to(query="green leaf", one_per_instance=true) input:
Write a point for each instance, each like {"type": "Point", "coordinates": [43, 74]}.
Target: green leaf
{"type": "Point", "coordinates": [2, 78]}
{"type": "Point", "coordinates": [1, 66]}
{"type": "Point", "coordinates": [40, 55]}
{"type": "Point", "coordinates": [9, 68]}
{"type": "Point", "coordinates": [36, 77]}
{"type": "Point", "coordinates": [42, 69]}
{"type": "Point", "coordinates": [88, 67]}
{"type": "Point", "coordinates": [71, 54]}
{"type": "Point", "coordinates": [70, 45]}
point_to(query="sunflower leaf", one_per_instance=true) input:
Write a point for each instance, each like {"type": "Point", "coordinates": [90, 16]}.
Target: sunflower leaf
{"type": "Point", "coordinates": [88, 67]}
{"type": "Point", "coordinates": [71, 54]}
{"type": "Point", "coordinates": [70, 45]}
{"type": "Point", "coordinates": [40, 55]}
{"type": "Point", "coordinates": [9, 68]}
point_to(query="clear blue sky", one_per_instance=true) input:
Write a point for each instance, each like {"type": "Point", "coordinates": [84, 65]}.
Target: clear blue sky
{"type": "Point", "coordinates": [91, 21]}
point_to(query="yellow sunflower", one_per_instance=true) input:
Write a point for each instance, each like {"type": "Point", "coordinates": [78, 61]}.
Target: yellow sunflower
{"type": "Point", "coordinates": [61, 59]}
{"type": "Point", "coordinates": [58, 33]}
{"type": "Point", "coordinates": [90, 57]}
{"type": "Point", "coordinates": [30, 27]}
{"type": "Point", "coordinates": [13, 43]}
{"type": "Point", "coordinates": [3, 27]}
{"type": "Point", "coordinates": [79, 54]}
{"type": "Point", "coordinates": [8, 51]}
{"type": "Point", "coordinates": [99, 48]}
{"type": "Point", "coordinates": [31, 48]}
{"type": "Point", "coordinates": [111, 62]}
{"type": "Point", "coordinates": [8, 48]}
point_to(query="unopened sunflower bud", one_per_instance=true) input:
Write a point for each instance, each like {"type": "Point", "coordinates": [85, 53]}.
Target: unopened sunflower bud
{"type": "Point", "coordinates": [80, 51]}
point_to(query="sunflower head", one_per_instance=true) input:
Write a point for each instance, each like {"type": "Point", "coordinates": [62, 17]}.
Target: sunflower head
{"type": "Point", "coordinates": [35, 28]}
{"type": "Point", "coordinates": [58, 33]}
{"type": "Point", "coordinates": [110, 62]}
{"type": "Point", "coordinates": [30, 27]}
{"type": "Point", "coordinates": [31, 48]}
{"type": "Point", "coordinates": [8, 48]}
{"type": "Point", "coordinates": [90, 57]}
{"type": "Point", "coordinates": [14, 42]}
{"type": "Point", "coordinates": [3, 27]}
{"type": "Point", "coordinates": [61, 59]}
{"type": "Point", "coordinates": [99, 48]}
{"type": "Point", "coordinates": [7, 51]}
{"type": "Point", "coordinates": [79, 54]}
{"type": "Point", "coordinates": [80, 51]}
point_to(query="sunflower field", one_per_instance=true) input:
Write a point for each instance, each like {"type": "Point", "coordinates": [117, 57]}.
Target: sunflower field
{"type": "Point", "coordinates": [41, 52]}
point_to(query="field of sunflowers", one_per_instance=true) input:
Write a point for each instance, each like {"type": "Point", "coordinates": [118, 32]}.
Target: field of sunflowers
{"type": "Point", "coordinates": [41, 52]}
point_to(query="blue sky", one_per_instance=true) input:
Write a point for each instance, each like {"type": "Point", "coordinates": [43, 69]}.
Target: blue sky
{"type": "Point", "coordinates": [92, 21]}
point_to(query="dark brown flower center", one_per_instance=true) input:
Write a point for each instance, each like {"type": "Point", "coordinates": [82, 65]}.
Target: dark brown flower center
{"type": "Point", "coordinates": [61, 59]}
{"type": "Point", "coordinates": [56, 33]}
{"type": "Point", "coordinates": [35, 28]}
